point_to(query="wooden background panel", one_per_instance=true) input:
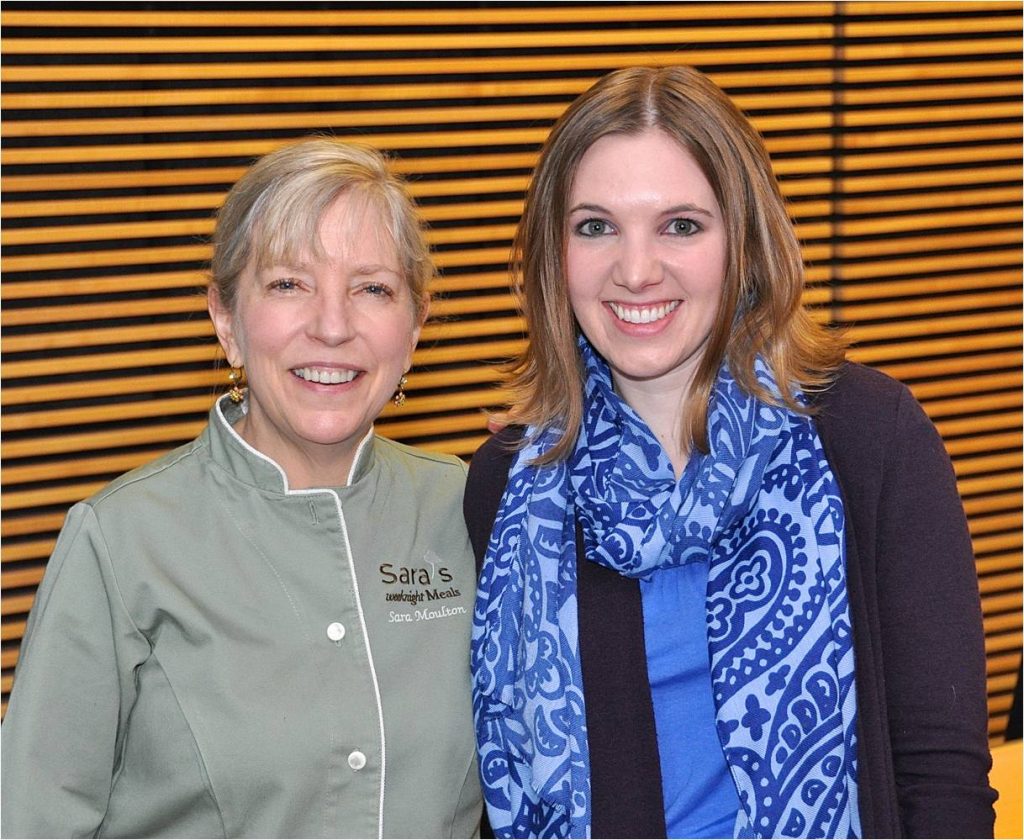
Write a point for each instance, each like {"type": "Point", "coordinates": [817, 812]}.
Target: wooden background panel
{"type": "Point", "coordinates": [109, 190]}
{"type": "Point", "coordinates": [927, 271]}
{"type": "Point", "coordinates": [894, 128]}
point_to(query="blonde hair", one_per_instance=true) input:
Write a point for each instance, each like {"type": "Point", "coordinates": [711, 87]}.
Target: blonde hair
{"type": "Point", "coordinates": [760, 313]}
{"type": "Point", "coordinates": [272, 214]}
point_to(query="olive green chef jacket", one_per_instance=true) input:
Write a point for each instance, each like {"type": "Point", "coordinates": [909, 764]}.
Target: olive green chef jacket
{"type": "Point", "coordinates": [211, 654]}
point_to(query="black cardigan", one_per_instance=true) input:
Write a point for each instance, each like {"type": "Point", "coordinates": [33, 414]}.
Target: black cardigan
{"type": "Point", "coordinates": [923, 755]}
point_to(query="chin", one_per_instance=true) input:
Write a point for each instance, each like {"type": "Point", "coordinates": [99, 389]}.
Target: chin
{"type": "Point", "coordinates": [334, 434]}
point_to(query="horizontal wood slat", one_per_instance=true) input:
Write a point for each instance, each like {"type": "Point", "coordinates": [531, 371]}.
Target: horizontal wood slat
{"type": "Point", "coordinates": [595, 62]}
{"type": "Point", "coordinates": [147, 45]}
{"type": "Point", "coordinates": [979, 66]}
{"type": "Point", "coordinates": [895, 129]}
{"type": "Point", "coordinates": [785, 168]}
{"type": "Point", "coordinates": [264, 96]}
{"type": "Point", "coordinates": [394, 141]}
{"type": "Point", "coordinates": [855, 52]}
{"type": "Point", "coordinates": [465, 16]}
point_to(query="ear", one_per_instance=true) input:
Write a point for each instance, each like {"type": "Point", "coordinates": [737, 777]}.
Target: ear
{"type": "Point", "coordinates": [413, 340]}
{"type": "Point", "coordinates": [224, 325]}
{"type": "Point", "coordinates": [421, 319]}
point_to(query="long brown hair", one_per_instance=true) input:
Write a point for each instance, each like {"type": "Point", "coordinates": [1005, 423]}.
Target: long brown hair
{"type": "Point", "coordinates": [760, 313]}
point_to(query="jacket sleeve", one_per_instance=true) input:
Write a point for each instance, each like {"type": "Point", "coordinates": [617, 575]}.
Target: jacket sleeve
{"type": "Point", "coordinates": [932, 638]}
{"type": "Point", "coordinates": [72, 692]}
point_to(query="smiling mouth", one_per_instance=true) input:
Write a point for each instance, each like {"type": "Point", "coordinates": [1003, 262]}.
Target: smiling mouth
{"type": "Point", "coordinates": [643, 314]}
{"type": "Point", "coordinates": [323, 376]}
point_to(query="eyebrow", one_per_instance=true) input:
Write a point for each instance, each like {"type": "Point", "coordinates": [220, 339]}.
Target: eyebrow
{"type": "Point", "coordinates": [375, 268]}
{"type": "Point", "coordinates": [677, 208]}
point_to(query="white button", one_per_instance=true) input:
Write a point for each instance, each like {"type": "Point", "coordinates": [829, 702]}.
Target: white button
{"type": "Point", "coordinates": [336, 631]}
{"type": "Point", "coordinates": [356, 760]}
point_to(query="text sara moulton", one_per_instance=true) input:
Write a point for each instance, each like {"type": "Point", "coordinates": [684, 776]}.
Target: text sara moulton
{"type": "Point", "coordinates": [425, 614]}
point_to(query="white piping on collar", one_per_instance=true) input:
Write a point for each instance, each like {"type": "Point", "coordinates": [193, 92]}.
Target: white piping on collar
{"type": "Point", "coordinates": [359, 451]}
{"type": "Point", "coordinates": [249, 448]}
{"type": "Point", "coordinates": [284, 476]}
{"type": "Point", "coordinates": [355, 587]}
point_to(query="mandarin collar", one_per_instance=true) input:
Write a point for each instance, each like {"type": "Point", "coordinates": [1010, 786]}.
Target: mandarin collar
{"type": "Point", "coordinates": [250, 466]}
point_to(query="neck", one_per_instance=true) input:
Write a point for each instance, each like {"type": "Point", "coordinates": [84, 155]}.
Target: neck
{"type": "Point", "coordinates": [661, 409]}
{"type": "Point", "coordinates": [306, 467]}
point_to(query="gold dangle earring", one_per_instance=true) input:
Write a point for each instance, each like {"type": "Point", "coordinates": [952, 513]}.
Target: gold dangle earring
{"type": "Point", "coordinates": [399, 397]}
{"type": "Point", "coordinates": [235, 378]}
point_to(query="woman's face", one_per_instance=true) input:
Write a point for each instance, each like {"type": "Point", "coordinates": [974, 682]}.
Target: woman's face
{"type": "Point", "coordinates": [324, 342]}
{"type": "Point", "coordinates": [646, 258]}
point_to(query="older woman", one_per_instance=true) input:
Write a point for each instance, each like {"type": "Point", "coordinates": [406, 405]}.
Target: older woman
{"type": "Point", "coordinates": [265, 632]}
{"type": "Point", "coordinates": [704, 502]}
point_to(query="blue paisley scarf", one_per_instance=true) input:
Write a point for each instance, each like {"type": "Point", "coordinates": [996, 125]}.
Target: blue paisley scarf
{"type": "Point", "coordinates": [763, 511]}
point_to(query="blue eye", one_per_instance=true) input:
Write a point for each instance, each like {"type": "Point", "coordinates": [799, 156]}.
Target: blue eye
{"type": "Point", "coordinates": [683, 227]}
{"type": "Point", "coordinates": [593, 227]}
{"type": "Point", "coordinates": [378, 290]}
{"type": "Point", "coordinates": [285, 284]}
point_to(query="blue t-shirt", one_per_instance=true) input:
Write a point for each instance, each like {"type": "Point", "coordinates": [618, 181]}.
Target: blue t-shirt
{"type": "Point", "coordinates": [700, 797]}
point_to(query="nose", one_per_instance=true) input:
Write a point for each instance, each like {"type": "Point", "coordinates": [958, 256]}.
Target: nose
{"type": "Point", "coordinates": [637, 265]}
{"type": "Point", "coordinates": [332, 320]}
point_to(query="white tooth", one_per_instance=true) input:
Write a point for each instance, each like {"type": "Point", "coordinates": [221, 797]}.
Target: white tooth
{"type": "Point", "coordinates": [335, 377]}
{"type": "Point", "coordinates": [636, 315]}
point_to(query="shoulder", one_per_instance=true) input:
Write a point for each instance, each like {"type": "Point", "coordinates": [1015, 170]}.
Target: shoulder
{"type": "Point", "coordinates": [493, 460]}
{"type": "Point", "coordinates": [488, 474]}
{"type": "Point", "coordinates": [870, 424]}
{"type": "Point", "coordinates": [420, 466]}
{"type": "Point", "coordinates": [167, 476]}
{"type": "Point", "coordinates": [423, 491]}
{"type": "Point", "coordinates": [865, 410]}
{"type": "Point", "coordinates": [96, 530]}
{"type": "Point", "coordinates": [860, 391]}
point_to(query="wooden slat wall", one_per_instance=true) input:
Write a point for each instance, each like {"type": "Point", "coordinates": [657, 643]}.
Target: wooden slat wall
{"type": "Point", "coordinates": [927, 267]}
{"type": "Point", "coordinates": [894, 127]}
